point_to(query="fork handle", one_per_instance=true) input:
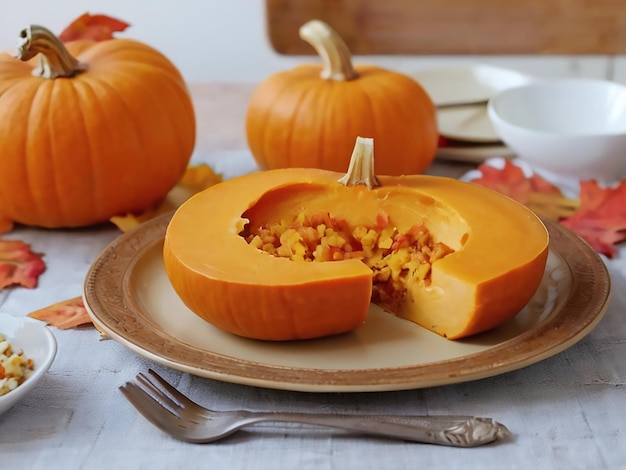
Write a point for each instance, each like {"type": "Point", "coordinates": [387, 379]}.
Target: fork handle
{"type": "Point", "coordinates": [456, 431]}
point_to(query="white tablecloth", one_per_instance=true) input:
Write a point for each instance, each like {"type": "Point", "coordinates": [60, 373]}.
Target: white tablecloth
{"type": "Point", "coordinates": [566, 412]}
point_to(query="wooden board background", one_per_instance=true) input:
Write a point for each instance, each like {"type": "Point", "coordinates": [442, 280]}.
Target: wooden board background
{"type": "Point", "coordinates": [480, 27]}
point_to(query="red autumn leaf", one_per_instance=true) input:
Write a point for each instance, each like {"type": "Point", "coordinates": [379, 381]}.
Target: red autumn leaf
{"type": "Point", "coordinates": [599, 217]}
{"type": "Point", "coordinates": [19, 265]}
{"type": "Point", "coordinates": [533, 191]}
{"type": "Point", "coordinates": [511, 181]}
{"type": "Point", "coordinates": [67, 314]}
{"type": "Point", "coordinates": [601, 220]}
{"type": "Point", "coordinates": [92, 27]}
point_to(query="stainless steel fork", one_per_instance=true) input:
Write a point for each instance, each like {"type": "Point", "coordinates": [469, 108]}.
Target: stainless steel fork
{"type": "Point", "coordinates": [174, 413]}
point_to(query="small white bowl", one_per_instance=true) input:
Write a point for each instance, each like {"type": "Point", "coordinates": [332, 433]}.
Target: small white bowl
{"type": "Point", "coordinates": [567, 127]}
{"type": "Point", "coordinates": [38, 343]}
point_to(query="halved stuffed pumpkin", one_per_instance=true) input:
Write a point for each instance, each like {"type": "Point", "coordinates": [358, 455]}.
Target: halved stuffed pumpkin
{"type": "Point", "coordinates": [296, 253]}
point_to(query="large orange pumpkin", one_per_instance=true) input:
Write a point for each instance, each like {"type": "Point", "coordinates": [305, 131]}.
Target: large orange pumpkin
{"type": "Point", "coordinates": [500, 251]}
{"type": "Point", "coordinates": [311, 115]}
{"type": "Point", "coordinates": [89, 130]}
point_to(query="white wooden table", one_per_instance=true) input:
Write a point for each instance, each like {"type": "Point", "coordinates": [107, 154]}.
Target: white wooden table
{"type": "Point", "coordinates": [566, 412]}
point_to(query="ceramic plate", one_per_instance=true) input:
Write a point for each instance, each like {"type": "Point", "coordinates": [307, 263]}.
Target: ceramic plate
{"type": "Point", "coordinates": [128, 296]}
{"type": "Point", "coordinates": [467, 83]}
{"type": "Point", "coordinates": [37, 342]}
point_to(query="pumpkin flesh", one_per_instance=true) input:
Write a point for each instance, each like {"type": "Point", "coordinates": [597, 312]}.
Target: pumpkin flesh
{"type": "Point", "coordinates": [496, 266]}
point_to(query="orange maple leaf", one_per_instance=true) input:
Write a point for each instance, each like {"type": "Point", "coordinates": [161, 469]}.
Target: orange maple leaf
{"type": "Point", "coordinates": [601, 220]}
{"type": "Point", "coordinates": [195, 179]}
{"type": "Point", "coordinates": [19, 265]}
{"type": "Point", "coordinates": [533, 191]}
{"type": "Point", "coordinates": [66, 314]}
{"type": "Point", "coordinates": [92, 27]}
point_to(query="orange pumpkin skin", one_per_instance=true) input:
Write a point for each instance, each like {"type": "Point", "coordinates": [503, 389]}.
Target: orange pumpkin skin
{"type": "Point", "coordinates": [111, 140]}
{"type": "Point", "coordinates": [297, 119]}
{"type": "Point", "coordinates": [497, 265]}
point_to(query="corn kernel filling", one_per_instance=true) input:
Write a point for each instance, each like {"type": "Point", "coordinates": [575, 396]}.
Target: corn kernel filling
{"type": "Point", "coordinates": [15, 368]}
{"type": "Point", "coordinates": [395, 258]}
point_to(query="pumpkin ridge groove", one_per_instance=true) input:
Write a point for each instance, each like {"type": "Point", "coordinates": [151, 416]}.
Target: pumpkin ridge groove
{"type": "Point", "coordinates": [296, 109]}
{"type": "Point", "coordinates": [38, 186]}
{"type": "Point", "coordinates": [175, 127]}
{"type": "Point", "coordinates": [267, 129]}
{"type": "Point", "coordinates": [108, 56]}
{"type": "Point", "coordinates": [20, 89]}
{"type": "Point", "coordinates": [302, 113]}
{"type": "Point", "coordinates": [174, 85]}
{"type": "Point", "coordinates": [325, 96]}
{"type": "Point", "coordinates": [111, 93]}
{"type": "Point", "coordinates": [172, 135]}
{"type": "Point", "coordinates": [373, 114]}
{"type": "Point", "coordinates": [423, 107]}
{"type": "Point", "coordinates": [292, 126]}
{"type": "Point", "coordinates": [97, 196]}
{"type": "Point", "coordinates": [378, 111]}
{"type": "Point", "coordinates": [397, 102]}
{"type": "Point", "coordinates": [58, 87]}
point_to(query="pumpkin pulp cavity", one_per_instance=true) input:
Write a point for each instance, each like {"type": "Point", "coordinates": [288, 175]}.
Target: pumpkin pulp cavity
{"type": "Point", "coordinates": [395, 258]}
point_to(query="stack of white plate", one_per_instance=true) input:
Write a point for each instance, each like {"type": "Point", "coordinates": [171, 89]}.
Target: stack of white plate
{"type": "Point", "coordinates": [466, 131]}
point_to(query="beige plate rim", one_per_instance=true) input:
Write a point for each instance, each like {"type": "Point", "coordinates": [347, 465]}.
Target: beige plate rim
{"type": "Point", "coordinates": [111, 305]}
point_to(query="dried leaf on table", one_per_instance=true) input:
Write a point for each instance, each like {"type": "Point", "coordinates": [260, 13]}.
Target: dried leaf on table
{"type": "Point", "coordinates": [19, 265]}
{"type": "Point", "coordinates": [601, 219]}
{"type": "Point", "coordinates": [195, 179]}
{"type": "Point", "coordinates": [67, 314]}
{"type": "Point", "coordinates": [92, 27]}
{"type": "Point", "coordinates": [533, 191]}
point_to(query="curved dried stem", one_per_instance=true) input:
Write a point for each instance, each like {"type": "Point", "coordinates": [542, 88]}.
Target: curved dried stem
{"type": "Point", "coordinates": [54, 59]}
{"type": "Point", "coordinates": [331, 48]}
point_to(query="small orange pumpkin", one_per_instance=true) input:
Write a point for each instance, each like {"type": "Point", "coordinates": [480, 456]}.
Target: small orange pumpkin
{"type": "Point", "coordinates": [91, 130]}
{"type": "Point", "coordinates": [310, 116]}
{"type": "Point", "coordinates": [496, 266]}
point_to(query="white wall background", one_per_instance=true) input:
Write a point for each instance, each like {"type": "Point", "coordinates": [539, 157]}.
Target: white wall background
{"type": "Point", "coordinates": [206, 39]}
{"type": "Point", "coordinates": [225, 40]}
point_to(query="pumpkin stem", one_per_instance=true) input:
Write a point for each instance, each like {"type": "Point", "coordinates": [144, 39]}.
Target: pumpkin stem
{"type": "Point", "coordinates": [331, 48]}
{"type": "Point", "coordinates": [361, 168]}
{"type": "Point", "coordinates": [55, 60]}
